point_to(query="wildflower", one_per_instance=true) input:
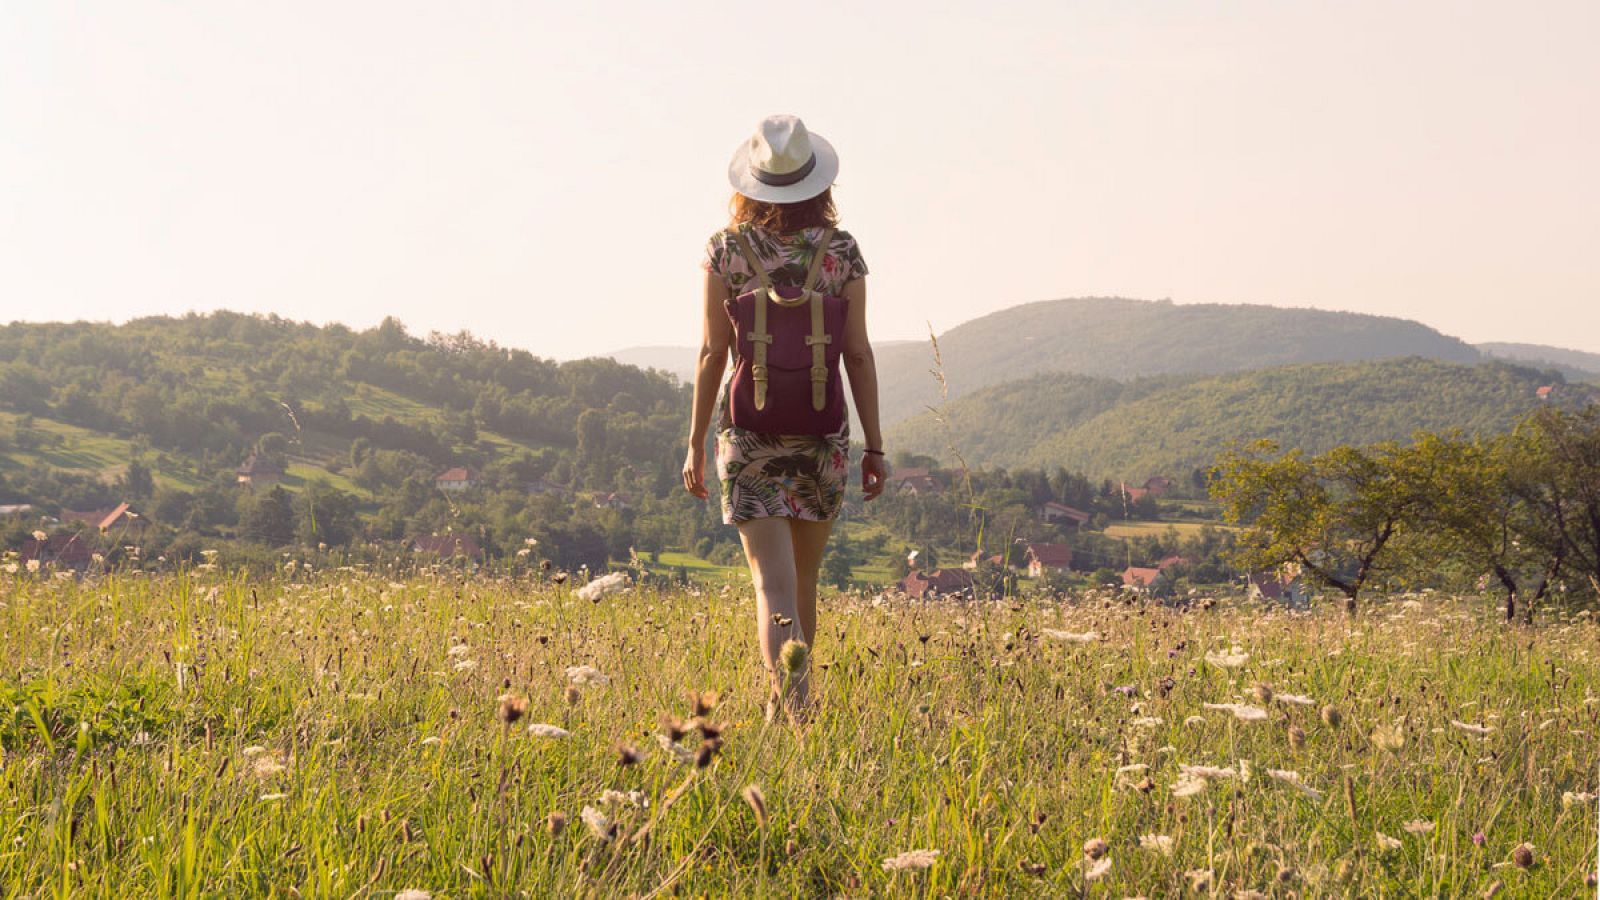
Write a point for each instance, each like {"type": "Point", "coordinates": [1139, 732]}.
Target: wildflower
{"type": "Point", "coordinates": [1188, 786]}
{"type": "Point", "coordinates": [1094, 848]}
{"type": "Point", "coordinates": [572, 695]}
{"type": "Point", "coordinates": [708, 749]}
{"type": "Point", "coordinates": [1469, 728]}
{"type": "Point", "coordinates": [466, 665]}
{"type": "Point", "coordinates": [911, 860]}
{"type": "Point", "coordinates": [511, 708]}
{"type": "Point", "coordinates": [1147, 722]}
{"type": "Point", "coordinates": [586, 675]}
{"type": "Point", "coordinates": [604, 585]}
{"type": "Point", "coordinates": [1097, 870]}
{"type": "Point", "coordinates": [432, 739]}
{"type": "Point", "coordinates": [1230, 660]}
{"type": "Point", "coordinates": [703, 702]}
{"type": "Point", "coordinates": [1296, 700]}
{"type": "Point", "coordinates": [252, 750]}
{"type": "Point", "coordinates": [1292, 778]}
{"type": "Point", "coordinates": [1523, 856]}
{"type": "Point", "coordinates": [1568, 798]}
{"type": "Point", "coordinates": [1193, 721]}
{"type": "Point", "coordinates": [631, 798]}
{"type": "Point", "coordinates": [678, 752]}
{"type": "Point", "coordinates": [1330, 716]}
{"type": "Point", "coordinates": [1386, 843]}
{"type": "Point", "coordinates": [599, 826]}
{"type": "Point", "coordinates": [792, 655]}
{"type": "Point", "coordinates": [1241, 711]}
{"type": "Point", "coordinates": [541, 729]}
{"type": "Point", "coordinates": [1264, 693]}
{"type": "Point", "coordinates": [1389, 737]}
{"type": "Point", "coordinates": [1157, 843]}
{"type": "Point", "coordinates": [1297, 737]}
{"type": "Point", "coordinates": [413, 894]}
{"type": "Point", "coordinates": [1071, 637]}
{"type": "Point", "coordinates": [556, 822]}
{"type": "Point", "coordinates": [758, 803]}
{"type": "Point", "coordinates": [266, 767]}
{"type": "Point", "coordinates": [39, 536]}
{"type": "Point", "coordinates": [627, 756]}
{"type": "Point", "coordinates": [270, 798]}
{"type": "Point", "coordinates": [1199, 880]}
{"type": "Point", "coordinates": [1479, 839]}
{"type": "Point", "coordinates": [1207, 771]}
{"type": "Point", "coordinates": [1418, 826]}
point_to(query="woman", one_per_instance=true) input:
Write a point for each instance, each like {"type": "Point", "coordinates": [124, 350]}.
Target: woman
{"type": "Point", "coordinates": [783, 490]}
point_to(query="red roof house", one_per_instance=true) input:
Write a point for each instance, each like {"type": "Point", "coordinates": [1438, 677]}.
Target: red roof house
{"type": "Point", "coordinates": [1069, 516]}
{"type": "Point", "coordinates": [937, 583]}
{"type": "Point", "coordinates": [1044, 558]}
{"type": "Point", "coordinates": [63, 551]}
{"type": "Point", "coordinates": [457, 478]}
{"type": "Point", "coordinates": [447, 546]}
{"type": "Point", "coordinates": [1140, 578]}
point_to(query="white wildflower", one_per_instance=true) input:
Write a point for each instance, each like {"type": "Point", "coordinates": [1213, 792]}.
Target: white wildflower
{"type": "Point", "coordinates": [631, 798]}
{"type": "Point", "coordinates": [269, 798]}
{"type": "Point", "coordinates": [541, 729]}
{"type": "Point", "coordinates": [1472, 729]}
{"type": "Point", "coordinates": [1188, 786]}
{"type": "Point", "coordinates": [466, 665]}
{"type": "Point", "coordinates": [910, 860]}
{"type": "Point", "coordinates": [1293, 779]}
{"type": "Point", "coordinates": [1241, 711]}
{"type": "Point", "coordinates": [599, 825]}
{"type": "Point", "coordinates": [1147, 722]}
{"type": "Point", "coordinates": [432, 739]}
{"type": "Point", "coordinates": [1230, 660]}
{"type": "Point", "coordinates": [1386, 843]}
{"type": "Point", "coordinates": [1571, 798]}
{"type": "Point", "coordinates": [586, 675]}
{"type": "Point", "coordinates": [1071, 637]}
{"type": "Point", "coordinates": [605, 584]}
{"type": "Point", "coordinates": [1418, 826]}
{"type": "Point", "coordinates": [1097, 870]}
{"type": "Point", "coordinates": [1193, 721]}
{"type": "Point", "coordinates": [1207, 771]}
{"type": "Point", "coordinates": [1296, 699]}
{"type": "Point", "coordinates": [1158, 843]}
{"type": "Point", "coordinates": [413, 894]}
{"type": "Point", "coordinates": [675, 750]}
{"type": "Point", "coordinates": [458, 650]}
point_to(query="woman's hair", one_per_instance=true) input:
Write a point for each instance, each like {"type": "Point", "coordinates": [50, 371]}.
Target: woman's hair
{"type": "Point", "coordinates": [817, 212]}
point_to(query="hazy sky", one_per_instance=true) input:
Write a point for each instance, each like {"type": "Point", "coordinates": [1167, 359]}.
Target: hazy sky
{"type": "Point", "coordinates": [546, 174]}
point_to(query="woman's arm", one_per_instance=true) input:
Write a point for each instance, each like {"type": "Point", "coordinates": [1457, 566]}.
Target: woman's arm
{"type": "Point", "coordinates": [863, 371]}
{"type": "Point", "coordinates": [716, 337]}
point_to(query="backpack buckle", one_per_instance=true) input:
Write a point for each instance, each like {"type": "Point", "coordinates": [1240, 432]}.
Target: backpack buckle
{"type": "Point", "coordinates": [756, 337]}
{"type": "Point", "coordinates": [818, 339]}
{"type": "Point", "coordinates": [759, 373]}
{"type": "Point", "coordinates": [819, 373]}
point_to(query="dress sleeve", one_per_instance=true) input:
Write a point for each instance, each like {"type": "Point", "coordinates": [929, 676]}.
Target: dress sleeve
{"type": "Point", "coordinates": [855, 265]}
{"type": "Point", "coordinates": [714, 260]}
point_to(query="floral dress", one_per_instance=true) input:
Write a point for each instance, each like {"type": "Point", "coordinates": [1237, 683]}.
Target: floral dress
{"type": "Point", "coordinates": [801, 476]}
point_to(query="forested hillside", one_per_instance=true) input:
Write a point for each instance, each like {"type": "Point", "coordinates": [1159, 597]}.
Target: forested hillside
{"type": "Point", "coordinates": [163, 410]}
{"type": "Point", "coordinates": [1118, 338]}
{"type": "Point", "coordinates": [1175, 424]}
{"type": "Point", "coordinates": [1574, 363]}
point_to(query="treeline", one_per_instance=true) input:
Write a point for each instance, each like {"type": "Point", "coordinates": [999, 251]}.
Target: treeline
{"type": "Point", "coordinates": [1517, 512]}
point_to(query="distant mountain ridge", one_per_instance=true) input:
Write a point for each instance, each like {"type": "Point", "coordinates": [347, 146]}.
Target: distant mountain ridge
{"type": "Point", "coordinates": [1173, 424]}
{"type": "Point", "coordinates": [1569, 361]}
{"type": "Point", "coordinates": [1115, 337]}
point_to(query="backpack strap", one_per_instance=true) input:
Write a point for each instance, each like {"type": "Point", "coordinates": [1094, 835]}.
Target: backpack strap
{"type": "Point", "coordinates": [760, 337]}
{"type": "Point", "coordinates": [819, 338]}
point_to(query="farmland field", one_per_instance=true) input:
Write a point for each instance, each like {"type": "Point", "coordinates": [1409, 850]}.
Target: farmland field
{"type": "Point", "coordinates": [343, 734]}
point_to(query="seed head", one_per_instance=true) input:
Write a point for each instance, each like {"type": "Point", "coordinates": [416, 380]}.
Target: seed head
{"type": "Point", "coordinates": [555, 822]}
{"type": "Point", "coordinates": [573, 695]}
{"type": "Point", "coordinates": [1264, 693]}
{"type": "Point", "coordinates": [1297, 738]}
{"type": "Point", "coordinates": [673, 728]}
{"type": "Point", "coordinates": [1094, 848]}
{"type": "Point", "coordinates": [758, 803]}
{"type": "Point", "coordinates": [511, 708]}
{"type": "Point", "coordinates": [627, 756]}
{"type": "Point", "coordinates": [703, 702]}
{"type": "Point", "coordinates": [793, 656]}
{"type": "Point", "coordinates": [1523, 856]}
{"type": "Point", "coordinates": [708, 750]}
{"type": "Point", "coordinates": [1330, 716]}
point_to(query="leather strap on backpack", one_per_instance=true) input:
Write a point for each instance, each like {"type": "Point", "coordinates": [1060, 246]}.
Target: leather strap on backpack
{"type": "Point", "coordinates": [819, 338]}
{"type": "Point", "coordinates": [759, 338]}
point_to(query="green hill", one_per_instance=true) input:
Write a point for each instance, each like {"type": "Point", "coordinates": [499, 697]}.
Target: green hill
{"type": "Point", "coordinates": [1174, 424]}
{"type": "Point", "coordinates": [1118, 338]}
{"type": "Point", "coordinates": [1577, 364]}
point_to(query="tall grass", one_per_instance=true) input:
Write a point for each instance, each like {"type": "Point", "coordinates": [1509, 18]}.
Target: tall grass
{"type": "Point", "coordinates": [339, 734]}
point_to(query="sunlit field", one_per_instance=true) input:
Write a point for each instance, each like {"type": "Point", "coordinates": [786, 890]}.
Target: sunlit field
{"type": "Point", "coordinates": [337, 734]}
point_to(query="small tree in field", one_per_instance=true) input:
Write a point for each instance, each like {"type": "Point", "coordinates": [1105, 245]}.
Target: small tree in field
{"type": "Point", "coordinates": [1341, 516]}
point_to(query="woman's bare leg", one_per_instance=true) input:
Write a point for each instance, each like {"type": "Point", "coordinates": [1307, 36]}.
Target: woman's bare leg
{"type": "Point", "coordinates": [770, 552]}
{"type": "Point", "coordinates": [810, 540]}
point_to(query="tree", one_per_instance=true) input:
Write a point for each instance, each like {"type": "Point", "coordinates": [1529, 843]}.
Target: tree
{"type": "Point", "coordinates": [137, 482]}
{"type": "Point", "coordinates": [837, 565]}
{"type": "Point", "coordinates": [1336, 515]}
{"type": "Point", "coordinates": [269, 518]}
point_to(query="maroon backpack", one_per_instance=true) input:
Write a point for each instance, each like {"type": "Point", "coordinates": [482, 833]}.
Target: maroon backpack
{"type": "Point", "coordinates": [786, 367]}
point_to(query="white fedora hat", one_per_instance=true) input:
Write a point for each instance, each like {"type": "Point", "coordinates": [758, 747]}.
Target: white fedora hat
{"type": "Point", "coordinates": [783, 162]}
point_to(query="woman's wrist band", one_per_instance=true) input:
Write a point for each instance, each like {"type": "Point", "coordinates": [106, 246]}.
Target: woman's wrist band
{"type": "Point", "coordinates": [873, 452]}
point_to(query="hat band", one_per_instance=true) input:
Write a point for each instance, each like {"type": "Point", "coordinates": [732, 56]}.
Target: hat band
{"type": "Point", "coordinates": [773, 179]}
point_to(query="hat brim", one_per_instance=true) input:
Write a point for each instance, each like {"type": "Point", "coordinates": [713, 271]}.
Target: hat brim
{"type": "Point", "coordinates": [820, 179]}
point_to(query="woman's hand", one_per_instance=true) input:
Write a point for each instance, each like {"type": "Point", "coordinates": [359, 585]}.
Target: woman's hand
{"type": "Point", "coordinates": [694, 471]}
{"type": "Point", "coordinates": [872, 475]}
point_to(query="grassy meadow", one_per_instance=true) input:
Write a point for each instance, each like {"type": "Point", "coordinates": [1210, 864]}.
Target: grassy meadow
{"type": "Point", "coordinates": [339, 734]}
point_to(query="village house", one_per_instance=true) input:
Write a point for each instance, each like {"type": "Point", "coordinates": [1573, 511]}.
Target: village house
{"type": "Point", "coordinates": [610, 500]}
{"type": "Point", "coordinates": [456, 478]}
{"type": "Point", "coordinates": [977, 557]}
{"type": "Point", "coordinates": [448, 546]}
{"type": "Point", "coordinates": [259, 470]}
{"type": "Point", "coordinates": [1130, 494]}
{"type": "Point", "coordinates": [1157, 485]}
{"type": "Point", "coordinates": [937, 583]}
{"type": "Point", "coordinates": [1277, 588]}
{"type": "Point", "coordinates": [1140, 578]}
{"type": "Point", "coordinates": [1069, 517]}
{"type": "Point", "coordinates": [58, 551]}
{"type": "Point", "coordinates": [120, 517]}
{"type": "Point", "coordinates": [12, 509]}
{"type": "Point", "coordinates": [1043, 558]}
{"type": "Point", "coordinates": [916, 480]}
